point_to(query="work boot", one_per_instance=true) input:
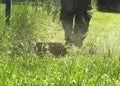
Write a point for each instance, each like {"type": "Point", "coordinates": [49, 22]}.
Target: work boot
{"type": "Point", "coordinates": [78, 42]}
{"type": "Point", "coordinates": [69, 39]}
{"type": "Point", "coordinates": [78, 39]}
{"type": "Point", "coordinates": [69, 36]}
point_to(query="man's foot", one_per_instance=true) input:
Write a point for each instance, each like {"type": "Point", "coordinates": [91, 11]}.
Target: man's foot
{"type": "Point", "coordinates": [78, 43]}
{"type": "Point", "coordinates": [69, 41]}
{"type": "Point", "coordinates": [78, 40]}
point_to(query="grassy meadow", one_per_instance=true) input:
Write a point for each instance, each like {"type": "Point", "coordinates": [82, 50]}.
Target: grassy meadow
{"type": "Point", "coordinates": [96, 63]}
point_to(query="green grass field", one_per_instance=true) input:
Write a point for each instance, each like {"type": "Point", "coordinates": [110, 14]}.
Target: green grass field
{"type": "Point", "coordinates": [96, 63]}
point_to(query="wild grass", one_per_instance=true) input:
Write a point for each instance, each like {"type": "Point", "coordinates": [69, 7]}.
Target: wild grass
{"type": "Point", "coordinates": [96, 63]}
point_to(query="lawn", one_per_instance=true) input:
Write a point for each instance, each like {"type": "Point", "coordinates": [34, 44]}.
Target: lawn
{"type": "Point", "coordinates": [96, 63]}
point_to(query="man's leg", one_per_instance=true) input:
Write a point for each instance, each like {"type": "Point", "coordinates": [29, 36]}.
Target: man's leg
{"type": "Point", "coordinates": [66, 17]}
{"type": "Point", "coordinates": [81, 27]}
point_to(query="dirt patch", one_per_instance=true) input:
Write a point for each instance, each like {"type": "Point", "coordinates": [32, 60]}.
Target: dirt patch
{"type": "Point", "coordinates": [57, 49]}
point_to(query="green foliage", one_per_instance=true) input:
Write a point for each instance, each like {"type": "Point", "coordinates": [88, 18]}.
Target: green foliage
{"type": "Point", "coordinates": [96, 63]}
{"type": "Point", "coordinates": [19, 37]}
{"type": "Point", "coordinates": [26, 0]}
{"type": "Point", "coordinates": [33, 71]}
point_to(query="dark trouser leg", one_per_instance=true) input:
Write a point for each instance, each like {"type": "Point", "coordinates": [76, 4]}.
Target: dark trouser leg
{"type": "Point", "coordinates": [66, 18]}
{"type": "Point", "coordinates": [81, 27]}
